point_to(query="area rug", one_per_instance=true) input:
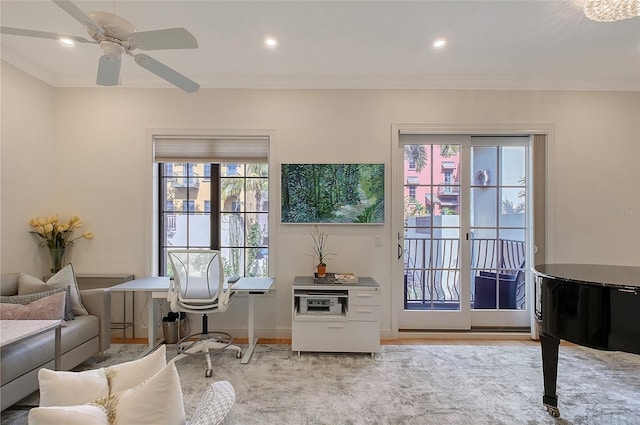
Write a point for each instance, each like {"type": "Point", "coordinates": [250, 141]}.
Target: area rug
{"type": "Point", "coordinates": [414, 384]}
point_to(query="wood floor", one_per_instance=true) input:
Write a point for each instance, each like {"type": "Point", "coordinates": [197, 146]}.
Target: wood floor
{"type": "Point", "coordinates": [400, 341]}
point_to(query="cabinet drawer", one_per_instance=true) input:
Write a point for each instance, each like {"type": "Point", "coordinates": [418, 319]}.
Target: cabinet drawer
{"type": "Point", "coordinates": [364, 313]}
{"type": "Point", "coordinates": [336, 336]}
{"type": "Point", "coordinates": [358, 297]}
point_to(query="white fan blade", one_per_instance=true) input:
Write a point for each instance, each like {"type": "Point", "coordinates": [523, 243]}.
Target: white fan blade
{"type": "Point", "coordinates": [170, 38]}
{"type": "Point", "coordinates": [43, 34]}
{"type": "Point", "coordinates": [166, 73]}
{"type": "Point", "coordinates": [108, 71]}
{"type": "Point", "coordinates": [79, 15]}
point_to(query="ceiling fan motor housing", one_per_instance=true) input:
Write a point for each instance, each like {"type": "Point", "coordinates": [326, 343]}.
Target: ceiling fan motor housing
{"type": "Point", "coordinates": [116, 29]}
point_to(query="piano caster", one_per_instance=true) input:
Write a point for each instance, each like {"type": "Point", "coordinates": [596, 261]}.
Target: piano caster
{"type": "Point", "coordinates": [553, 411]}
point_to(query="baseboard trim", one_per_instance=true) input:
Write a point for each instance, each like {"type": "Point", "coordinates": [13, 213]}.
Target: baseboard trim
{"type": "Point", "coordinates": [466, 335]}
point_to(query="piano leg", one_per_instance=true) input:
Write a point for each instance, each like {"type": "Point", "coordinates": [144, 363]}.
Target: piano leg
{"type": "Point", "coordinates": [549, 345]}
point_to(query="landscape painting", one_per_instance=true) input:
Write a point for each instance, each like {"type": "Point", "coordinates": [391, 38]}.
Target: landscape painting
{"type": "Point", "coordinates": [333, 193]}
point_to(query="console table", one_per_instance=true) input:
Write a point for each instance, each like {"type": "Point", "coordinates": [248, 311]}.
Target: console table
{"type": "Point", "coordinates": [14, 331]}
{"type": "Point", "coordinates": [335, 317]}
{"type": "Point", "coordinates": [93, 281]}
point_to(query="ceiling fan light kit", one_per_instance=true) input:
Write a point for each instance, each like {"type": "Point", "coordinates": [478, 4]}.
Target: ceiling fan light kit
{"type": "Point", "coordinates": [116, 36]}
{"type": "Point", "coordinates": [611, 10]}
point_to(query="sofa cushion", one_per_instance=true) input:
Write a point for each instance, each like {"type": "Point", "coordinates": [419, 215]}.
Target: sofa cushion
{"type": "Point", "coordinates": [47, 308]}
{"type": "Point", "coordinates": [29, 298]}
{"type": "Point", "coordinates": [69, 415]}
{"type": "Point", "coordinates": [66, 277]}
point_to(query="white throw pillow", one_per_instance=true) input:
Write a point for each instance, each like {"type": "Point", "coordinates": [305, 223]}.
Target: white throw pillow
{"type": "Point", "coordinates": [130, 374]}
{"type": "Point", "coordinates": [156, 401]}
{"type": "Point", "coordinates": [59, 388]}
{"type": "Point", "coordinates": [66, 277]}
{"type": "Point", "coordinates": [69, 415]}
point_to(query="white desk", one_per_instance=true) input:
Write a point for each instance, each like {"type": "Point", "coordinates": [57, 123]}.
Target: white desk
{"type": "Point", "coordinates": [157, 288]}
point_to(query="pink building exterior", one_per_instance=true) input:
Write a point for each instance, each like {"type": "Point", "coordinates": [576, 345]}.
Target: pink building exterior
{"type": "Point", "coordinates": [439, 193]}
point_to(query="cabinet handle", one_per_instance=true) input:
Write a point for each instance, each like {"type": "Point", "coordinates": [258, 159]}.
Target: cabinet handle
{"type": "Point", "coordinates": [364, 311]}
{"type": "Point", "coordinates": [364, 295]}
{"type": "Point", "coordinates": [336, 326]}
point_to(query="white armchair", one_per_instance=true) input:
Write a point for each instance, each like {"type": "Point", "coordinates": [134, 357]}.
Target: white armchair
{"type": "Point", "coordinates": [216, 406]}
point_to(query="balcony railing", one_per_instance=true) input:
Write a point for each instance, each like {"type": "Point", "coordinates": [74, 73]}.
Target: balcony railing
{"type": "Point", "coordinates": [432, 269]}
{"type": "Point", "coordinates": [186, 181]}
{"type": "Point", "coordinates": [448, 190]}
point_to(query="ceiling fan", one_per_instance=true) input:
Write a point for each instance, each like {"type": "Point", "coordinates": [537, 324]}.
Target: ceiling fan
{"type": "Point", "coordinates": [116, 36]}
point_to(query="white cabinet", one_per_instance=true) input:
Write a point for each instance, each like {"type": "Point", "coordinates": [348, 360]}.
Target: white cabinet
{"type": "Point", "coordinates": [335, 317]}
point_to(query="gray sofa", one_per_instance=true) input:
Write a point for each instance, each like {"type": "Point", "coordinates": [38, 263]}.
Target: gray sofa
{"type": "Point", "coordinates": [82, 338]}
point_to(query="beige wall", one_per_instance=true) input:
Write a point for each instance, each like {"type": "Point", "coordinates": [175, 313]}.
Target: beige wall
{"type": "Point", "coordinates": [100, 145]}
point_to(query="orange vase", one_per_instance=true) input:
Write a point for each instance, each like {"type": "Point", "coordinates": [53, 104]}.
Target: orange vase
{"type": "Point", "coordinates": [322, 270]}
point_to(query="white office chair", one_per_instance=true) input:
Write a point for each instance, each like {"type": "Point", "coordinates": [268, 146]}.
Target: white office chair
{"type": "Point", "coordinates": [198, 286]}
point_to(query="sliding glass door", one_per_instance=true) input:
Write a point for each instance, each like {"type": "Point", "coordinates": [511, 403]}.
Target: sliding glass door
{"type": "Point", "coordinates": [464, 240]}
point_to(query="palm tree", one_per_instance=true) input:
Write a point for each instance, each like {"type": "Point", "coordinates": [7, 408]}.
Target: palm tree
{"type": "Point", "coordinates": [417, 154]}
{"type": "Point", "coordinates": [449, 150]}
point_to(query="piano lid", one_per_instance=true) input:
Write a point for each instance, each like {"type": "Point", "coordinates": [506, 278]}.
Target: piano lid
{"type": "Point", "coordinates": [598, 274]}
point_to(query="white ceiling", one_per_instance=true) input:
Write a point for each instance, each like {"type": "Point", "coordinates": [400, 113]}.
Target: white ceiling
{"type": "Point", "coordinates": [346, 44]}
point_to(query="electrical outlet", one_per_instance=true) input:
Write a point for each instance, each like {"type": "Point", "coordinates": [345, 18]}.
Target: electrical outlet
{"type": "Point", "coordinates": [378, 240]}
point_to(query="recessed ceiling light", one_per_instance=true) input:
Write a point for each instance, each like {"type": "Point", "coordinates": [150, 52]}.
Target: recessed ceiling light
{"type": "Point", "coordinates": [66, 41]}
{"type": "Point", "coordinates": [270, 42]}
{"type": "Point", "coordinates": [439, 43]}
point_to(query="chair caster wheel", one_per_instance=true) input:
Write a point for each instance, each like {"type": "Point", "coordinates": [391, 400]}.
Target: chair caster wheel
{"type": "Point", "coordinates": [208, 373]}
{"type": "Point", "coordinates": [553, 411]}
{"type": "Point", "coordinates": [238, 354]}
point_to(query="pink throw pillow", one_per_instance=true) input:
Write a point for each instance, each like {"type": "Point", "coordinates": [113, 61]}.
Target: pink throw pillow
{"type": "Point", "coordinates": [47, 308]}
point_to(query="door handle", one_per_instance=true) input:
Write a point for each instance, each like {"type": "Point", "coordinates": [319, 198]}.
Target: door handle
{"type": "Point", "coordinates": [400, 251]}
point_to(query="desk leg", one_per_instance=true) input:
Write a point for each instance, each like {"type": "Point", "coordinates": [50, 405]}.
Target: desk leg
{"type": "Point", "coordinates": [151, 325]}
{"type": "Point", "coordinates": [57, 349]}
{"type": "Point", "coordinates": [251, 340]}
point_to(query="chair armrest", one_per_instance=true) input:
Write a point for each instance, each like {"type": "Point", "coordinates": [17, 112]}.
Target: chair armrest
{"type": "Point", "coordinates": [98, 303]}
{"type": "Point", "coordinates": [216, 406]}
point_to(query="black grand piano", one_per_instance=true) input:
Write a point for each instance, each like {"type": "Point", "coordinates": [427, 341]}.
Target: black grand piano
{"type": "Point", "coordinates": [596, 306]}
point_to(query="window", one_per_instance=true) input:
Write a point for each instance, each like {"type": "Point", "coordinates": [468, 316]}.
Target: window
{"type": "Point", "coordinates": [412, 163]}
{"type": "Point", "coordinates": [228, 210]}
{"type": "Point", "coordinates": [212, 192]}
{"type": "Point", "coordinates": [412, 193]}
{"type": "Point", "coordinates": [188, 205]}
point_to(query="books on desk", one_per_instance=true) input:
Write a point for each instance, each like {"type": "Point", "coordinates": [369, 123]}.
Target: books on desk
{"type": "Point", "coordinates": [337, 278]}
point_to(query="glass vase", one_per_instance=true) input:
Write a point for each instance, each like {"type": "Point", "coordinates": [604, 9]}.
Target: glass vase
{"type": "Point", "coordinates": [57, 259]}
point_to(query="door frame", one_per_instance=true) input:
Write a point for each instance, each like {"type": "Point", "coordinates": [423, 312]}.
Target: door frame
{"type": "Point", "coordinates": [397, 216]}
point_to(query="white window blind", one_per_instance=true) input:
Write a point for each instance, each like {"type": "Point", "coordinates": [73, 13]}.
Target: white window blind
{"type": "Point", "coordinates": [210, 149]}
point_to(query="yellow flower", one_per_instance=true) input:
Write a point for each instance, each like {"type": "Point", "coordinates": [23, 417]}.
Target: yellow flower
{"type": "Point", "coordinates": [54, 234]}
{"type": "Point", "coordinates": [74, 222]}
